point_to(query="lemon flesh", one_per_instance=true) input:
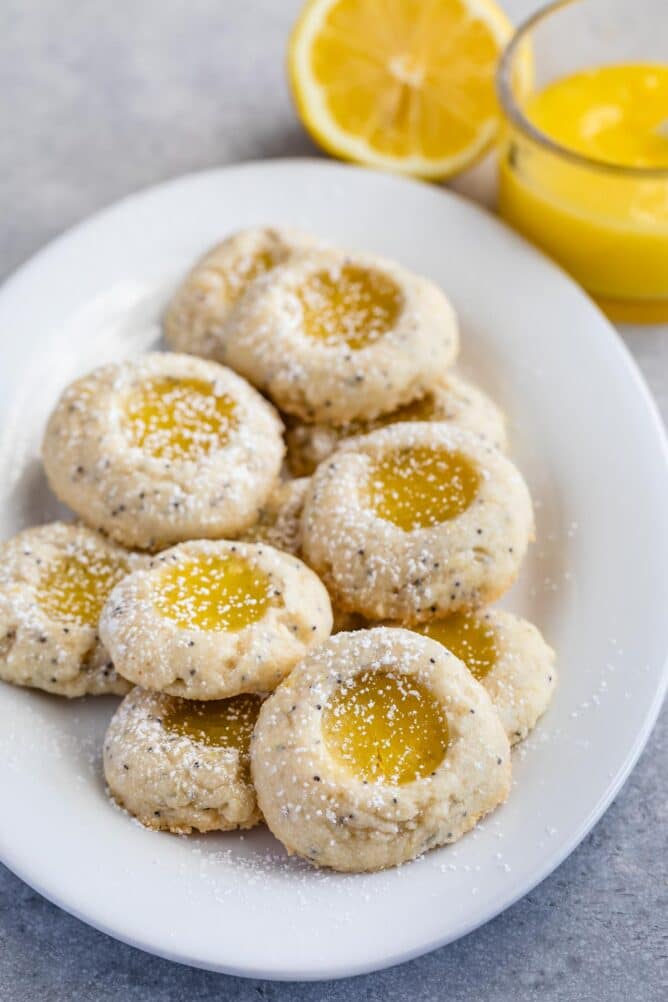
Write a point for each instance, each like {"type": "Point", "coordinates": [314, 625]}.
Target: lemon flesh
{"type": "Point", "coordinates": [399, 84]}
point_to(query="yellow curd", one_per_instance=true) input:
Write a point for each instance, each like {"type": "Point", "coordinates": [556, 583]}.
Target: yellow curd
{"type": "Point", "coordinates": [219, 723]}
{"type": "Point", "coordinates": [178, 419]}
{"type": "Point", "coordinates": [75, 588]}
{"type": "Point", "coordinates": [468, 637]}
{"type": "Point", "coordinates": [597, 201]}
{"type": "Point", "coordinates": [421, 487]}
{"type": "Point", "coordinates": [386, 727]}
{"type": "Point", "coordinates": [357, 306]}
{"type": "Point", "coordinates": [213, 592]}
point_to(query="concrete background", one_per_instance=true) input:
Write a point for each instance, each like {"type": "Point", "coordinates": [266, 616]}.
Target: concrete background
{"type": "Point", "coordinates": [98, 99]}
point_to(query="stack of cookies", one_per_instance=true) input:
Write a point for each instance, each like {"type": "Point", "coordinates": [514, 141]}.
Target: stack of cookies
{"type": "Point", "coordinates": [304, 462]}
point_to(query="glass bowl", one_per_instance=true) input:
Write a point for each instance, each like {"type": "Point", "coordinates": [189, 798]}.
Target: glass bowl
{"type": "Point", "coordinates": [605, 223]}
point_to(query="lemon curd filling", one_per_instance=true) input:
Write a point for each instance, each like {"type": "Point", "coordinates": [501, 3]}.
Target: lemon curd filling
{"type": "Point", "coordinates": [219, 723]}
{"type": "Point", "coordinates": [421, 487]}
{"type": "Point", "coordinates": [469, 638]}
{"type": "Point", "coordinates": [356, 306]}
{"type": "Point", "coordinates": [75, 588]}
{"type": "Point", "coordinates": [417, 410]}
{"type": "Point", "coordinates": [178, 418]}
{"type": "Point", "coordinates": [385, 726]}
{"type": "Point", "coordinates": [213, 593]}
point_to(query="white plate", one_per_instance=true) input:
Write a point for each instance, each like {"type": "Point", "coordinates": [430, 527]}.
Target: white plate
{"type": "Point", "coordinates": [586, 435]}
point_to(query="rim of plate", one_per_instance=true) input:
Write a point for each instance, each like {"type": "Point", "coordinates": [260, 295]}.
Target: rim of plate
{"type": "Point", "coordinates": [604, 331]}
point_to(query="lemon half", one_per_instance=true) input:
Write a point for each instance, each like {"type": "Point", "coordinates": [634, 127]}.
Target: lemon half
{"type": "Point", "coordinates": [405, 85]}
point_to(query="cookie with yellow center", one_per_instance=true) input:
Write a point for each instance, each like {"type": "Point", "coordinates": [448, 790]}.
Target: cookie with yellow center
{"type": "Point", "coordinates": [209, 620]}
{"type": "Point", "coordinates": [334, 337]}
{"type": "Point", "coordinates": [508, 656]}
{"type": "Point", "coordinates": [54, 581]}
{"type": "Point", "coordinates": [454, 400]}
{"type": "Point", "coordinates": [179, 764]}
{"type": "Point", "coordinates": [414, 521]}
{"type": "Point", "coordinates": [379, 746]}
{"type": "Point", "coordinates": [195, 317]}
{"type": "Point", "coordinates": [163, 448]}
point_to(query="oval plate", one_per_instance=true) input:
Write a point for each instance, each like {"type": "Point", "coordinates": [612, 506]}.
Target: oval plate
{"type": "Point", "coordinates": [585, 433]}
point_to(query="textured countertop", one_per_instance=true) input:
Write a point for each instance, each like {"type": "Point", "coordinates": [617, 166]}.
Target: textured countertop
{"type": "Point", "coordinates": [100, 99]}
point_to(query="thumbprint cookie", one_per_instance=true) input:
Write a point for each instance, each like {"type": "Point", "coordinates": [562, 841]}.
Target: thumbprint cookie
{"type": "Point", "coordinates": [378, 746]}
{"type": "Point", "coordinates": [179, 764]}
{"type": "Point", "coordinates": [195, 317]}
{"type": "Point", "coordinates": [415, 521]}
{"type": "Point", "coordinates": [162, 449]}
{"type": "Point", "coordinates": [54, 581]}
{"type": "Point", "coordinates": [335, 338]}
{"type": "Point", "coordinates": [209, 620]}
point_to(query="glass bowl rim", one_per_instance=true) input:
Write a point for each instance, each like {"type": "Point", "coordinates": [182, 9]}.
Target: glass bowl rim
{"type": "Point", "coordinates": [516, 116]}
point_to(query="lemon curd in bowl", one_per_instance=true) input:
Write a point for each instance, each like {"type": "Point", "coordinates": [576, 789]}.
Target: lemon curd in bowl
{"type": "Point", "coordinates": [584, 153]}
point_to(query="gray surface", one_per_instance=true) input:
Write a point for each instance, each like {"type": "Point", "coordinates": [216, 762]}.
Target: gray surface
{"type": "Point", "coordinates": [102, 98]}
